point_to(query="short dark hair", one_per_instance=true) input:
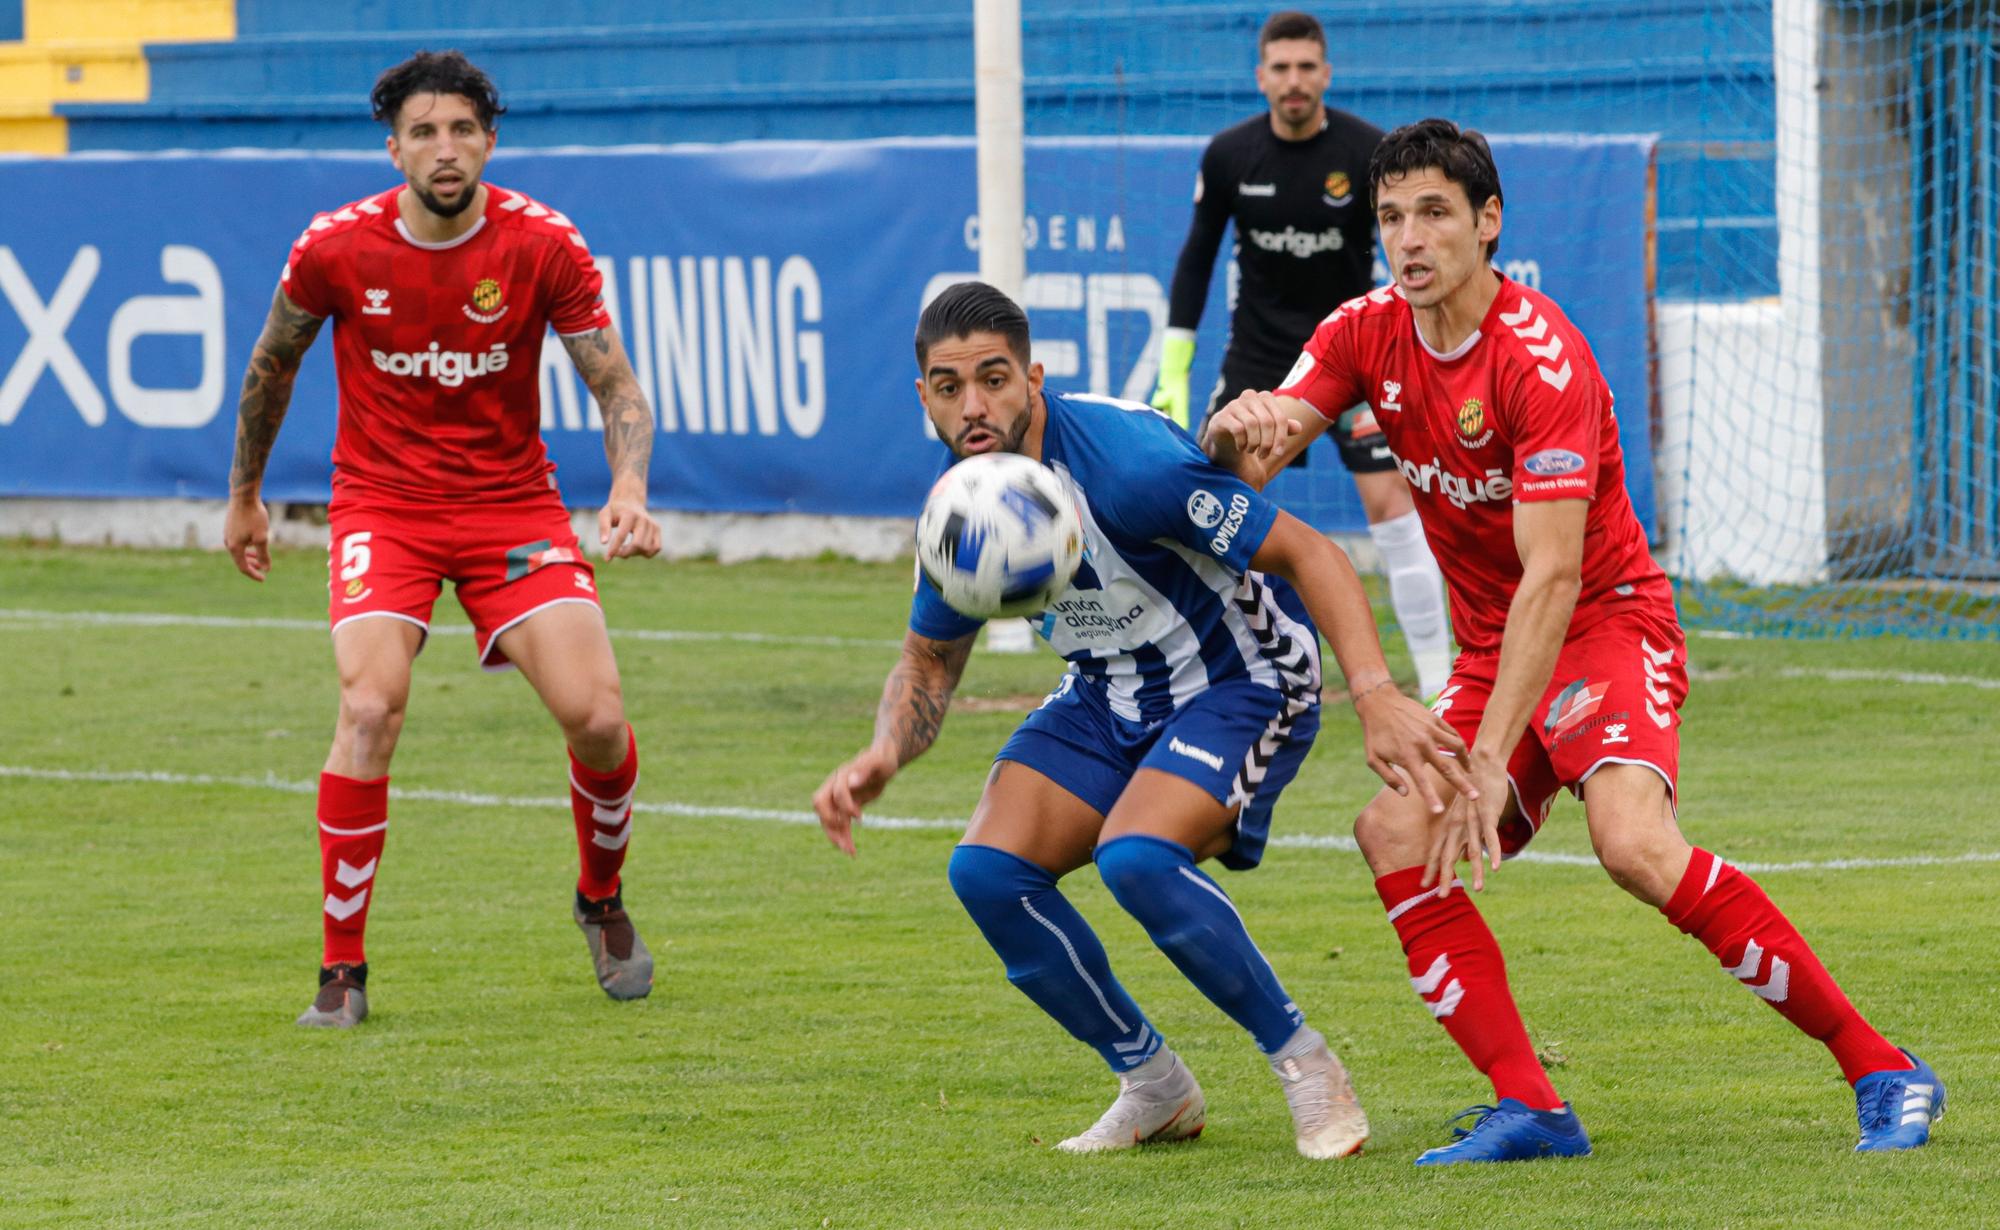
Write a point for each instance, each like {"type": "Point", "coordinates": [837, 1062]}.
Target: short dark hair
{"type": "Point", "coordinates": [1461, 154]}
{"type": "Point", "coordinates": [436, 72]}
{"type": "Point", "coordinates": [966, 308]}
{"type": "Point", "coordinates": [1290, 24]}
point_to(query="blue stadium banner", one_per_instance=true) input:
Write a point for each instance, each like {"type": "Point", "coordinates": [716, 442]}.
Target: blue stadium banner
{"type": "Point", "coordinates": [767, 292]}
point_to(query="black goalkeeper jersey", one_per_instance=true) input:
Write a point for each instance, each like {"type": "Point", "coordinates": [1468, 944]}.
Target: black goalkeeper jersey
{"type": "Point", "coordinates": [1305, 235]}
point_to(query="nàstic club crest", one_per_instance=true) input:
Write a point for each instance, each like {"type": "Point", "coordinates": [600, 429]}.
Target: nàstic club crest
{"type": "Point", "coordinates": [1472, 429]}
{"type": "Point", "coordinates": [486, 306]}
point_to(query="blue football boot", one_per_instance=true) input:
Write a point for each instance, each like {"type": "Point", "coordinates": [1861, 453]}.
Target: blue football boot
{"type": "Point", "coordinates": [1896, 1109]}
{"type": "Point", "coordinates": [1511, 1132]}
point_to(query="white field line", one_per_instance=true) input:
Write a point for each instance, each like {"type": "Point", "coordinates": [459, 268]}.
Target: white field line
{"type": "Point", "coordinates": [1302, 841]}
{"type": "Point", "coordinates": [59, 619]}
{"type": "Point", "coordinates": [1836, 674]}
{"type": "Point", "coordinates": [1867, 676]}
{"type": "Point", "coordinates": [144, 619]}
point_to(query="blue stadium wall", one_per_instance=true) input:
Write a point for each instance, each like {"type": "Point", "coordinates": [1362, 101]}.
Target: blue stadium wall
{"type": "Point", "coordinates": [1696, 72]}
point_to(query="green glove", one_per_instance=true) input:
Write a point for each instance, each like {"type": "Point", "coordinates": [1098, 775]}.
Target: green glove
{"type": "Point", "coordinates": [1176, 359]}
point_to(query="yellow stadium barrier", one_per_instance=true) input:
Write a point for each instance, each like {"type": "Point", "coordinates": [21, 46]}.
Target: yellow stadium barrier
{"type": "Point", "coordinates": [25, 131]}
{"type": "Point", "coordinates": [65, 57]}
{"type": "Point", "coordinates": [142, 21]}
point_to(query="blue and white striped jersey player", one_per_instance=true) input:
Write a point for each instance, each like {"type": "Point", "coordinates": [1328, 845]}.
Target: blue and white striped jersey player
{"type": "Point", "coordinates": [1192, 696]}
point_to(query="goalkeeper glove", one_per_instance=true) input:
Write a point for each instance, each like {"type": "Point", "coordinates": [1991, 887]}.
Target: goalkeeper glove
{"type": "Point", "coordinates": [1176, 359]}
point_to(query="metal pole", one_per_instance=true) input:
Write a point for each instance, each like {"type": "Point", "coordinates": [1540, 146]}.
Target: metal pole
{"type": "Point", "coordinates": [1003, 257]}
{"type": "Point", "coordinates": [996, 53]}
{"type": "Point", "coordinates": [1921, 225]}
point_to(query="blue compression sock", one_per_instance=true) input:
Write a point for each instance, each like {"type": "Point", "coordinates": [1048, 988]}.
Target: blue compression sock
{"type": "Point", "coordinates": [1193, 921]}
{"type": "Point", "coordinates": [1051, 953]}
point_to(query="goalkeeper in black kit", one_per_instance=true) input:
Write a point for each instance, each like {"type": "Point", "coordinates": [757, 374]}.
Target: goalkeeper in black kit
{"type": "Point", "coordinates": [1295, 182]}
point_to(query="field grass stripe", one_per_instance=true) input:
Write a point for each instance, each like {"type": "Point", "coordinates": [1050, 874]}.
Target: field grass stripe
{"type": "Point", "coordinates": [152, 619]}
{"type": "Point", "coordinates": [1299, 841]}
{"type": "Point", "coordinates": [161, 619]}
{"type": "Point", "coordinates": [1837, 675]}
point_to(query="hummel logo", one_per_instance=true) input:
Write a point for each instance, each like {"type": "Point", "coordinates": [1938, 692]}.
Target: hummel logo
{"type": "Point", "coordinates": [1138, 1043]}
{"type": "Point", "coordinates": [1776, 983]}
{"type": "Point", "coordinates": [1207, 757]}
{"type": "Point", "coordinates": [1390, 392]}
{"type": "Point", "coordinates": [340, 909]}
{"type": "Point", "coordinates": [1615, 733]}
{"type": "Point", "coordinates": [1257, 189]}
{"type": "Point", "coordinates": [351, 876]}
{"type": "Point", "coordinates": [1428, 983]}
{"type": "Point", "coordinates": [1527, 325]}
{"type": "Point", "coordinates": [378, 303]}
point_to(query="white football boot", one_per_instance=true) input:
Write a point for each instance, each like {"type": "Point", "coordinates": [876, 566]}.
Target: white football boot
{"type": "Point", "coordinates": [1325, 1112]}
{"type": "Point", "coordinates": [1157, 1101]}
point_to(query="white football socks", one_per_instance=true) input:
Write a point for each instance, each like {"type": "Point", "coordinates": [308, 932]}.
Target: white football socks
{"type": "Point", "coordinates": [1416, 591]}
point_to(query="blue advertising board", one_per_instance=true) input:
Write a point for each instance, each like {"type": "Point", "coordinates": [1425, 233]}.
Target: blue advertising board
{"type": "Point", "coordinates": [767, 292]}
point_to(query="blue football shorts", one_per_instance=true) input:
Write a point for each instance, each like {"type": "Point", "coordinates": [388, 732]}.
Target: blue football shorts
{"type": "Point", "coordinates": [1240, 741]}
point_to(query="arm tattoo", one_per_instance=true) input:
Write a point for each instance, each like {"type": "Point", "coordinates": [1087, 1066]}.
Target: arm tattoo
{"type": "Point", "coordinates": [628, 420]}
{"type": "Point", "coordinates": [267, 388]}
{"type": "Point", "coordinates": [918, 692]}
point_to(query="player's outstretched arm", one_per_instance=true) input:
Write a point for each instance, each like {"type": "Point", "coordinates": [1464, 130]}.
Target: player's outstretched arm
{"type": "Point", "coordinates": [1548, 535]}
{"type": "Point", "coordinates": [1257, 435]}
{"type": "Point", "coordinates": [1399, 735]}
{"type": "Point", "coordinates": [623, 525]}
{"type": "Point", "coordinates": [914, 700]}
{"type": "Point", "coordinates": [260, 411]}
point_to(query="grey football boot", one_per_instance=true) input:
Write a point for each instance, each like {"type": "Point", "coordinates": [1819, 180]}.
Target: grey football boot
{"type": "Point", "coordinates": [1325, 1112]}
{"type": "Point", "coordinates": [342, 1002]}
{"type": "Point", "coordinates": [1158, 1101]}
{"type": "Point", "coordinates": [621, 959]}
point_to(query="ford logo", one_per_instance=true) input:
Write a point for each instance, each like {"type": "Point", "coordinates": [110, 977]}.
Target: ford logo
{"type": "Point", "coordinates": [1552, 461]}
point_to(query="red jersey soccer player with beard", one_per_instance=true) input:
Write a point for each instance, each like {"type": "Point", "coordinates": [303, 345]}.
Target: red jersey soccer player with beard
{"type": "Point", "coordinates": [440, 292]}
{"type": "Point", "coordinates": [1574, 667]}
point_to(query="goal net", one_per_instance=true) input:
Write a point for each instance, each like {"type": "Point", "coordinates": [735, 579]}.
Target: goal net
{"type": "Point", "coordinates": [1775, 222]}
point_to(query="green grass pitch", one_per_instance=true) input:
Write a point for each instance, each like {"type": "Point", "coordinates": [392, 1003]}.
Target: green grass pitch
{"type": "Point", "coordinates": [829, 1043]}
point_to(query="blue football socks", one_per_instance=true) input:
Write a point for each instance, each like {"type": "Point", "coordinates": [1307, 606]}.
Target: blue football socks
{"type": "Point", "coordinates": [1193, 921]}
{"type": "Point", "coordinates": [1051, 953]}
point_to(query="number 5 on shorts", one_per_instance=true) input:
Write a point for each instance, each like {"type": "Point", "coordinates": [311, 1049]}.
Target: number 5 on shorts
{"type": "Point", "coordinates": [355, 555]}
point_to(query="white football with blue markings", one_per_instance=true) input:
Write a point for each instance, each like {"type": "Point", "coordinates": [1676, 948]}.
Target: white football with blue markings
{"type": "Point", "coordinates": [999, 536]}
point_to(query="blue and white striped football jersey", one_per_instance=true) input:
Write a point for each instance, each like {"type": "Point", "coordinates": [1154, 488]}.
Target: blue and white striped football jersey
{"type": "Point", "coordinates": [1164, 604]}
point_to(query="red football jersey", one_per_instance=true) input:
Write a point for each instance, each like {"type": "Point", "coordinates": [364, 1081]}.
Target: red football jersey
{"type": "Point", "coordinates": [437, 346]}
{"type": "Point", "coordinates": [1518, 413]}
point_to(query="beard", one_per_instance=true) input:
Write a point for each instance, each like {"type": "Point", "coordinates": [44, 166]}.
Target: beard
{"type": "Point", "coordinates": [448, 209]}
{"type": "Point", "coordinates": [1009, 438]}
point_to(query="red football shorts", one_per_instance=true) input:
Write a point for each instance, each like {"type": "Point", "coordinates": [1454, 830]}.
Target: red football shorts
{"type": "Point", "coordinates": [1615, 698]}
{"type": "Point", "coordinates": [506, 560]}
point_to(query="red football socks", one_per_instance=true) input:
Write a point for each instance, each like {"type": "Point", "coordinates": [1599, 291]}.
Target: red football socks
{"type": "Point", "coordinates": [353, 819]}
{"type": "Point", "coordinates": [1456, 967]}
{"type": "Point", "coordinates": [602, 805]}
{"type": "Point", "coordinates": [1725, 910]}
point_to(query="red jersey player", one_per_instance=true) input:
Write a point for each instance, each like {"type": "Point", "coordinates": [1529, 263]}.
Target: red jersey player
{"type": "Point", "coordinates": [440, 292]}
{"type": "Point", "coordinates": [1574, 667]}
